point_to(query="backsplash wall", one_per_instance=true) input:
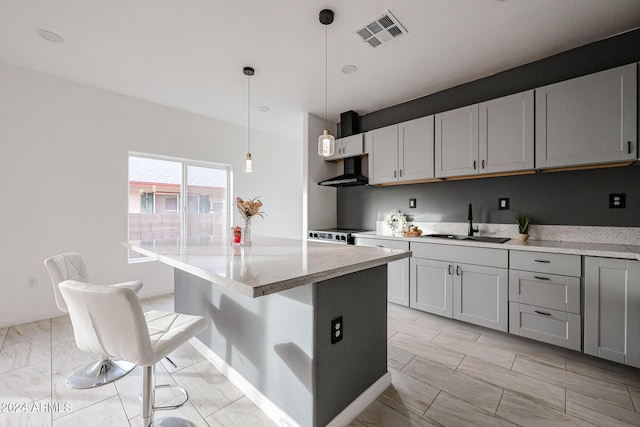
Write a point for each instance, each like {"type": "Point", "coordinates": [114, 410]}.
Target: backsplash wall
{"type": "Point", "coordinates": [554, 198]}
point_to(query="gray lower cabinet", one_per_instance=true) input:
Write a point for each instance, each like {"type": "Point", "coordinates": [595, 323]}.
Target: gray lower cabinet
{"type": "Point", "coordinates": [431, 286]}
{"type": "Point", "coordinates": [587, 120]}
{"type": "Point", "coordinates": [466, 283]}
{"type": "Point", "coordinates": [397, 271]}
{"type": "Point", "coordinates": [544, 297]}
{"type": "Point", "coordinates": [612, 309]}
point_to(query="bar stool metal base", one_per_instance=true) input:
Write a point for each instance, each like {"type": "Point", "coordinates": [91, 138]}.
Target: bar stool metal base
{"type": "Point", "coordinates": [99, 373]}
{"type": "Point", "coordinates": [172, 422]}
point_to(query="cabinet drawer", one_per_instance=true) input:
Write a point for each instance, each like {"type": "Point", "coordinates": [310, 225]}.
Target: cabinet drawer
{"type": "Point", "coordinates": [568, 265]}
{"type": "Point", "coordinates": [545, 290]}
{"type": "Point", "coordinates": [542, 324]}
{"type": "Point", "coordinates": [462, 254]}
{"type": "Point", "coordinates": [382, 243]}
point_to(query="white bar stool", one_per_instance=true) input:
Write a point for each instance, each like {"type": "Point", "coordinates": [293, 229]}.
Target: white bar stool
{"type": "Point", "coordinates": [109, 321]}
{"type": "Point", "coordinates": [70, 266]}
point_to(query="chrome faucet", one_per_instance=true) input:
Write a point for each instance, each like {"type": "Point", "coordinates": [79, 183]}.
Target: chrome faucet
{"type": "Point", "coordinates": [470, 218]}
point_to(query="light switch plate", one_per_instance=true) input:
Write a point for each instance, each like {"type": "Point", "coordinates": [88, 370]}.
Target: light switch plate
{"type": "Point", "coordinates": [412, 203]}
{"type": "Point", "coordinates": [503, 203]}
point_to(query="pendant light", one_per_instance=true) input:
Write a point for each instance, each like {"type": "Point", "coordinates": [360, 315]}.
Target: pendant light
{"type": "Point", "coordinates": [248, 162]}
{"type": "Point", "coordinates": [326, 141]}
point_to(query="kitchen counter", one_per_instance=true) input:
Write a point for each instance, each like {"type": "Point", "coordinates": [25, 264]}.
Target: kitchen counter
{"type": "Point", "coordinates": [269, 265]}
{"type": "Point", "coordinates": [607, 250]}
{"type": "Point", "coordinates": [276, 309]}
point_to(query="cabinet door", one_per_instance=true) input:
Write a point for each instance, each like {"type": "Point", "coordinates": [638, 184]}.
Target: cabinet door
{"type": "Point", "coordinates": [398, 282]}
{"type": "Point", "coordinates": [590, 119]}
{"type": "Point", "coordinates": [480, 296]}
{"type": "Point", "coordinates": [397, 271]}
{"type": "Point", "coordinates": [416, 149]}
{"type": "Point", "coordinates": [612, 309]}
{"type": "Point", "coordinates": [352, 146]}
{"type": "Point", "coordinates": [383, 157]}
{"type": "Point", "coordinates": [431, 286]}
{"type": "Point", "coordinates": [506, 133]}
{"type": "Point", "coordinates": [456, 142]}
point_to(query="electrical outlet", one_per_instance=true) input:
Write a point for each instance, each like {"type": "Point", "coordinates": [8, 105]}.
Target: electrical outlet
{"type": "Point", "coordinates": [32, 282]}
{"type": "Point", "coordinates": [503, 203]}
{"type": "Point", "coordinates": [412, 203]}
{"type": "Point", "coordinates": [336, 330]}
{"type": "Point", "coordinates": [617, 201]}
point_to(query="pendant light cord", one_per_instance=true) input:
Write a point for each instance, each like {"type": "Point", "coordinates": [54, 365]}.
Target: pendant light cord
{"type": "Point", "coordinates": [326, 79]}
{"type": "Point", "coordinates": [248, 114]}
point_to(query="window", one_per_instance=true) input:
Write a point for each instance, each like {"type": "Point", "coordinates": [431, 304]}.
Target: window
{"type": "Point", "coordinates": [172, 198]}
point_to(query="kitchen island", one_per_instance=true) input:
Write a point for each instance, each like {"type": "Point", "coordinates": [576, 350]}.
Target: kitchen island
{"type": "Point", "coordinates": [275, 307]}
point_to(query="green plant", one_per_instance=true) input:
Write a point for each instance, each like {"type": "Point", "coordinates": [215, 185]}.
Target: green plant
{"type": "Point", "coordinates": [523, 223]}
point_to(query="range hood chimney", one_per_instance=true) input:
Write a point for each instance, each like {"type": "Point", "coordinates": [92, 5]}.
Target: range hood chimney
{"type": "Point", "coordinates": [352, 175]}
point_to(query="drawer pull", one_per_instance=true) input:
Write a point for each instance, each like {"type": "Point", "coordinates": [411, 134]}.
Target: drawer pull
{"type": "Point", "coordinates": [379, 246]}
{"type": "Point", "coordinates": [541, 278]}
{"type": "Point", "coordinates": [544, 261]}
{"type": "Point", "coordinates": [543, 313]}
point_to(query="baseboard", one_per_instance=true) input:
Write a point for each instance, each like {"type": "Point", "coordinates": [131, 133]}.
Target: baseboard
{"type": "Point", "coordinates": [361, 403]}
{"type": "Point", "coordinates": [28, 319]}
{"type": "Point", "coordinates": [273, 411]}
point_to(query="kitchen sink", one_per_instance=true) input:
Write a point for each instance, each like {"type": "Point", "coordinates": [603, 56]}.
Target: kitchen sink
{"type": "Point", "coordinates": [463, 237]}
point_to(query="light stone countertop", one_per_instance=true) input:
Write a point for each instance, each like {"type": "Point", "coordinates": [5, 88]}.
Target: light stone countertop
{"type": "Point", "coordinates": [269, 265]}
{"type": "Point", "coordinates": [607, 250]}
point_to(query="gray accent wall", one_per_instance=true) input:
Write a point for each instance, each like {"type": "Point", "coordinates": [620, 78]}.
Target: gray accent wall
{"type": "Point", "coordinates": [554, 198]}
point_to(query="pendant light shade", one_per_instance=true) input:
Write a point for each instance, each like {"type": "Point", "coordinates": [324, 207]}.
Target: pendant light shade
{"type": "Point", "coordinates": [248, 162]}
{"type": "Point", "coordinates": [326, 141]}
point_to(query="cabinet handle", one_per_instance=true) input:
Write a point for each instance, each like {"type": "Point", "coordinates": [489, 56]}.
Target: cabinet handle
{"type": "Point", "coordinates": [474, 165]}
{"type": "Point", "coordinates": [482, 163]}
{"type": "Point", "coordinates": [541, 278]}
{"type": "Point", "coordinates": [379, 246]}
{"type": "Point", "coordinates": [543, 313]}
{"type": "Point", "coordinates": [400, 173]}
{"type": "Point", "coordinates": [395, 174]}
{"type": "Point", "coordinates": [450, 269]}
{"type": "Point", "coordinates": [544, 261]}
{"type": "Point", "coordinates": [629, 145]}
{"type": "Point", "coordinates": [457, 270]}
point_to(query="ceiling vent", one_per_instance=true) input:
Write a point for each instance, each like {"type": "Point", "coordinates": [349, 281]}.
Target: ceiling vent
{"type": "Point", "coordinates": [381, 30]}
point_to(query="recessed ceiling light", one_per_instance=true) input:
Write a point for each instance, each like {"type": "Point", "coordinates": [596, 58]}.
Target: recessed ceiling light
{"type": "Point", "coordinates": [264, 109]}
{"type": "Point", "coordinates": [349, 69]}
{"type": "Point", "coordinates": [50, 36]}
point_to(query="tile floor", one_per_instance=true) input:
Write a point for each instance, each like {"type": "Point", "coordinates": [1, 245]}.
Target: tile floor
{"type": "Point", "coordinates": [443, 373]}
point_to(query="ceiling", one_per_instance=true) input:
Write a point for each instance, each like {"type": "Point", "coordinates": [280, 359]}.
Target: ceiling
{"type": "Point", "coordinates": [189, 54]}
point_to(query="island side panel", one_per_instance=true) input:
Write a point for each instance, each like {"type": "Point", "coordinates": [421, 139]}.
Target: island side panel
{"type": "Point", "coordinates": [344, 370]}
{"type": "Point", "coordinates": [267, 340]}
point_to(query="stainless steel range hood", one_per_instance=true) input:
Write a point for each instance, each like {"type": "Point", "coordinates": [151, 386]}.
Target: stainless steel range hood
{"type": "Point", "coordinates": [352, 175]}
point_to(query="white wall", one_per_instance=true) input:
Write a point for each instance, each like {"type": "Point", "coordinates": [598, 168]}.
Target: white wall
{"type": "Point", "coordinates": [321, 201]}
{"type": "Point", "coordinates": [63, 180]}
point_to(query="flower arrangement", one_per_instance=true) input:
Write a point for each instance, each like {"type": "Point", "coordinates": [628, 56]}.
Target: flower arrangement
{"type": "Point", "coordinates": [249, 208]}
{"type": "Point", "coordinates": [396, 221]}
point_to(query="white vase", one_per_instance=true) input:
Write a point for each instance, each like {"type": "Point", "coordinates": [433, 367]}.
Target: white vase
{"type": "Point", "coordinates": [246, 231]}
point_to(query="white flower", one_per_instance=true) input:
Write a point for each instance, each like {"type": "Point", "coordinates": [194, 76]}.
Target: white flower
{"type": "Point", "coordinates": [396, 220]}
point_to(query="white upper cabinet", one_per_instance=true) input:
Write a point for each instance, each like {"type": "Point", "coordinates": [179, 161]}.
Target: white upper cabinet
{"type": "Point", "coordinates": [506, 133]}
{"type": "Point", "coordinates": [587, 120]}
{"type": "Point", "coordinates": [456, 142]}
{"type": "Point", "coordinates": [349, 146]}
{"type": "Point", "coordinates": [415, 156]}
{"type": "Point", "coordinates": [490, 137]}
{"type": "Point", "coordinates": [402, 152]}
{"type": "Point", "coordinates": [383, 154]}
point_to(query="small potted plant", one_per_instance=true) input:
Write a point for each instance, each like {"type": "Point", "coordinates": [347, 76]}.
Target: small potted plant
{"type": "Point", "coordinates": [523, 226]}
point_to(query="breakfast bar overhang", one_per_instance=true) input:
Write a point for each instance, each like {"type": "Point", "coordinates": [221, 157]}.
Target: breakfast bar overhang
{"type": "Point", "coordinates": [274, 307]}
